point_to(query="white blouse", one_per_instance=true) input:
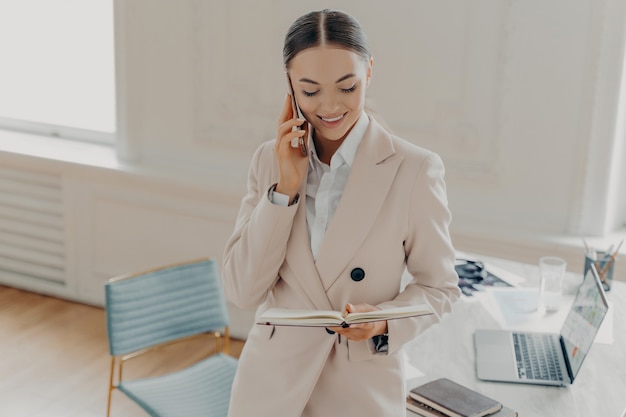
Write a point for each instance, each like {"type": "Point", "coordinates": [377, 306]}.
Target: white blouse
{"type": "Point", "coordinates": [325, 184]}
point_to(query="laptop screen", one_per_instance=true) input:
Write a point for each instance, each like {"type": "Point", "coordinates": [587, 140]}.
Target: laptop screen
{"type": "Point", "coordinates": [584, 319]}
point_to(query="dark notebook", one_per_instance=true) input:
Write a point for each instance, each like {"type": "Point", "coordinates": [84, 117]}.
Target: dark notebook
{"type": "Point", "coordinates": [504, 412]}
{"type": "Point", "coordinates": [454, 400]}
{"type": "Point", "coordinates": [423, 410]}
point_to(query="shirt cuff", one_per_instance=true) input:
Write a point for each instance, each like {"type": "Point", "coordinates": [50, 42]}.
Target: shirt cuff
{"type": "Point", "coordinates": [279, 198]}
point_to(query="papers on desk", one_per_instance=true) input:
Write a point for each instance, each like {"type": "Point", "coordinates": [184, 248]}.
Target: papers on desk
{"type": "Point", "coordinates": [495, 278]}
{"type": "Point", "coordinates": [474, 277]}
{"type": "Point", "coordinates": [517, 309]}
{"type": "Point", "coordinates": [508, 276]}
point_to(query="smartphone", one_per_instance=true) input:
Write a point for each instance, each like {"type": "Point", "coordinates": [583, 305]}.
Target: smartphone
{"type": "Point", "coordinates": [302, 141]}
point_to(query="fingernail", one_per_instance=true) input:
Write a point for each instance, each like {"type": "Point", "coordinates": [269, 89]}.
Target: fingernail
{"type": "Point", "coordinates": [301, 120]}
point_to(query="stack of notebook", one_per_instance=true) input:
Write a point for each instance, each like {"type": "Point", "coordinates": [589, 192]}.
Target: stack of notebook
{"type": "Point", "coordinates": [445, 398]}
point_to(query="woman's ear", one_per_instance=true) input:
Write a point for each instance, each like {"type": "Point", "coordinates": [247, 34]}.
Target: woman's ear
{"type": "Point", "coordinates": [368, 73]}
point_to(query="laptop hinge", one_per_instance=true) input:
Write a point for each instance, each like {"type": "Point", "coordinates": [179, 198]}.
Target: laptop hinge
{"type": "Point", "coordinates": [566, 360]}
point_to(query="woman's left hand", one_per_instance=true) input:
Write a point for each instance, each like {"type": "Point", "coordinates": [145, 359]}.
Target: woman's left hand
{"type": "Point", "coordinates": [362, 331]}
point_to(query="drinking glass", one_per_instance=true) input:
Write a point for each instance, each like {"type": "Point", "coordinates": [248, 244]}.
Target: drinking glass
{"type": "Point", "coordinates": [552, 272]}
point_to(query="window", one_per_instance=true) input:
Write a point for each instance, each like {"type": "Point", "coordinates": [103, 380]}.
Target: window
{"type": "Point", "coordinates": [620, 189]}
{"type": "Point", "coordinates": [618, 171]}
{"type": "Point", "coordinates": [57, 72]}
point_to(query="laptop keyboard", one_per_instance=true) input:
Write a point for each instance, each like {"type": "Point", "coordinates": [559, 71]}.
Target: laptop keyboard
{"type": "Point", "coordinates": [537, 356]}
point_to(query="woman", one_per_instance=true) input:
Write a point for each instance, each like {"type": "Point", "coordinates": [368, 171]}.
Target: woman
{"type": "Point", "coordinates": [334, 230]}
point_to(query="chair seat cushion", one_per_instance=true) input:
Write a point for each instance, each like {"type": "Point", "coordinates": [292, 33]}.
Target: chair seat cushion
{"type": "Point", "coordinates": [201, 390]}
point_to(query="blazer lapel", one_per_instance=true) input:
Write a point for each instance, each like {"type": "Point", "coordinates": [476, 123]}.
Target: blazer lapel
{"type": "Point", "coordinates": [299, 257]}
{"type": "Point", "coordinates": [372, 173]}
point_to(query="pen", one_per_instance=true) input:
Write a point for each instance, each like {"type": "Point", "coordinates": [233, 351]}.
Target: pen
{"type": "Point", "coordinates": [610, 261]}
{"type": "Point", "coordinates": [609, 250]}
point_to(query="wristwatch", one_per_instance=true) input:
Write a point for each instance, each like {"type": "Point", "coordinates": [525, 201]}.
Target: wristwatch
{"type": "Point", "coordinates": [381, 342]}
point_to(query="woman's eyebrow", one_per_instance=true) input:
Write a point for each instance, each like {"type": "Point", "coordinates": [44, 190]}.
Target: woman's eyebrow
{"type": "Point", "coordinates": [308, 80]}
{"type": "Point", "coordinates": [345, 77]}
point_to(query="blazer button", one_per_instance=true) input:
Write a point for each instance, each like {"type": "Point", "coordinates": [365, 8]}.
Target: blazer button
{"type": "Point", "coordinates": [357, 274]}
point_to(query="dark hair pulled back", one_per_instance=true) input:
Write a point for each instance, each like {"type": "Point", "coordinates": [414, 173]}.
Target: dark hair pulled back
{"type": "Point", "coordinates": [325, 27]}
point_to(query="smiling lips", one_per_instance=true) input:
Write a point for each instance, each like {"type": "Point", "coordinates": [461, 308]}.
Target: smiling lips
{"type": "Point", "coordinates": [332, 121]}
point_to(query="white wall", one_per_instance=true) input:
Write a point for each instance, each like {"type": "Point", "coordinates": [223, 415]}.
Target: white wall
{"type": "Point", "coordinates": [512, 94]}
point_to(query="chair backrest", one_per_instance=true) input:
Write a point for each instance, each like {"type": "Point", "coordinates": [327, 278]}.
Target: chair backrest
{"type": "Point", "coordinates": [164, 304]}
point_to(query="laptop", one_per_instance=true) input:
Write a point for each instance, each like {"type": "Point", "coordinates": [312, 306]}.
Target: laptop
{"type": "Point", "coordinates": [544, 358]}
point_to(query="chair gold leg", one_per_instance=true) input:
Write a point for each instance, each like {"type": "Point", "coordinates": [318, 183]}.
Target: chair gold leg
{"type": "Point", "coordinates": [111, 387]}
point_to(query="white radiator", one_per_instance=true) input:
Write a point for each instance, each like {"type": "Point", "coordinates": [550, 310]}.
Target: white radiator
{"type": "Point", "coordinates": [31, 226]}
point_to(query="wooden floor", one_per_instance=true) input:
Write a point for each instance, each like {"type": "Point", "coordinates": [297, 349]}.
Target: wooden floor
{"type": "Point", "coordinates": [54, 359]}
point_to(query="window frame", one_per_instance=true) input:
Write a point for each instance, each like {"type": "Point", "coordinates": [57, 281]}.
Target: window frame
{"type": "Point", "coordinates": [57, 131]}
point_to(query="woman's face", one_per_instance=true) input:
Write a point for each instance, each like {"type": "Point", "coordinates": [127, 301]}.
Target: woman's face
{"type": "Point", "coordinates": [329, 84]}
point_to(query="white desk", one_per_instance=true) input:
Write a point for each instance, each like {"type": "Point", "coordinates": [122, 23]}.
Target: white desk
{"type": "Point", "coordinates": [447, 350]}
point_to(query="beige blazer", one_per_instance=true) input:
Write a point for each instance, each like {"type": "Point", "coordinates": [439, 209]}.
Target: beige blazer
{"type": "Point", "coordinates": [393, 215]}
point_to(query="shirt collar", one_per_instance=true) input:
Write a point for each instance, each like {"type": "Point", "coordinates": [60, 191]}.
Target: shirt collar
{"type": "Point", "coordinates": [347, 150]}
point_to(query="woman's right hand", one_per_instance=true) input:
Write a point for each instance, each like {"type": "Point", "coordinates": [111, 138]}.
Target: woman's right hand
{"type": "Point", "coordinates": [292, 164]}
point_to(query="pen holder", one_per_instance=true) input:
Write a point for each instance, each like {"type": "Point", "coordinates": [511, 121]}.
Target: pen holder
{"type": "Point", "coordinates": [604, 265]}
